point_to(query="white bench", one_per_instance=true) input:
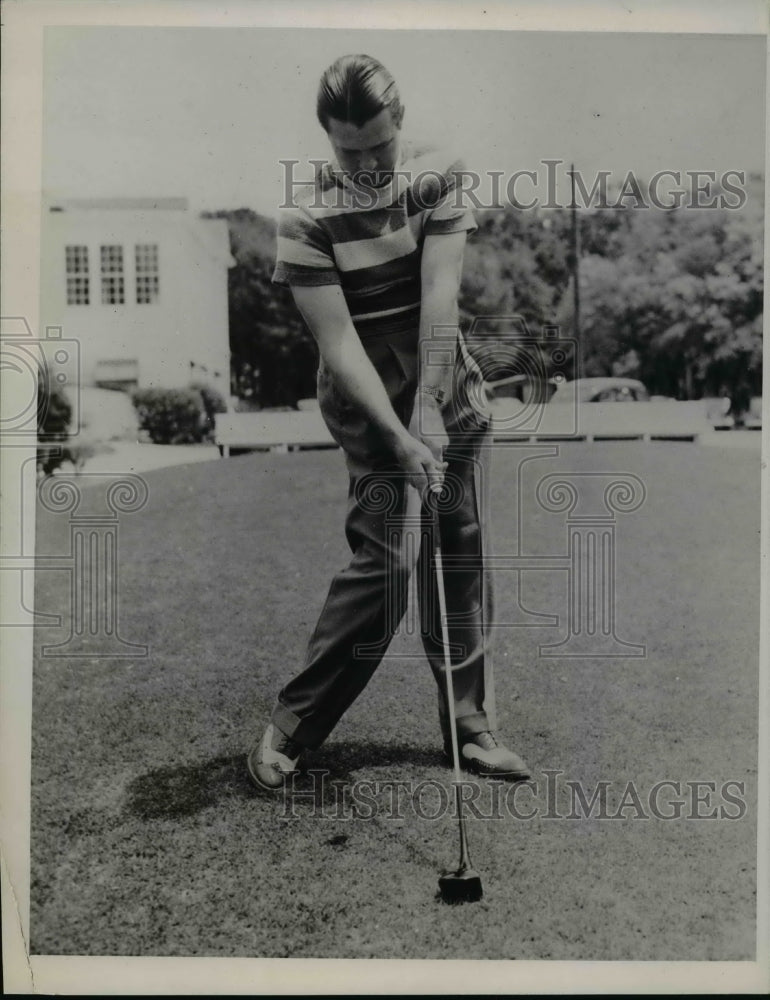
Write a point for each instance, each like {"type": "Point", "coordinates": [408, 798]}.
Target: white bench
{"type": "Point", "coordinates": [513, 420]}
{"type": "Point", "coordinates": [283, 431]}
{"type": "Point", "coordinates": [280, 431]}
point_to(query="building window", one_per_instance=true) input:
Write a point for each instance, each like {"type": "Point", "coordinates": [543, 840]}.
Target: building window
{"type": "Point", "coordinates": [147, 281]}
{"type": "Point", "coordinates": [77, 275]}
{"type": "Point", "coordinates": [113, 289]}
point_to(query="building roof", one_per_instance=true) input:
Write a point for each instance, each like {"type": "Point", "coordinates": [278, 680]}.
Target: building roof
{"type": "Point", "coordinates": [211, 235]}
{"type": "Point", "coordinates": [112, 204]}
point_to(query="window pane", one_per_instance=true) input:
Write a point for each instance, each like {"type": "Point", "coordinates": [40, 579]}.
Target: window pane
{"type": "Point", "coordinates": [112, 259]}
{"type": "Point", "coordinates": [77, 291]}
{"type": "Point", "coordinates": [112, 290]}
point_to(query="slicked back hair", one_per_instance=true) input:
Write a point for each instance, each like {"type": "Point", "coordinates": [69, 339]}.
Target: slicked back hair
{"type": "Point", "coordinates": [355, 89]}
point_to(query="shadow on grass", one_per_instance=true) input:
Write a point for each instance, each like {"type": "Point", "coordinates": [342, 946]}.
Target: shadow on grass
{"type": "Point", "coordinates": [177, 792]}
{"type": "Point", "coordinates": [345, 758]}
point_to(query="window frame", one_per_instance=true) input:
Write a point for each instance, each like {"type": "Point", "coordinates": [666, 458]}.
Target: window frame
{"type": "Point", "coordinates": [113, 274]}
{"type": "Point", "coordinates": [77, 274]}
{"type": "Point", "coordinates": [146, 273]}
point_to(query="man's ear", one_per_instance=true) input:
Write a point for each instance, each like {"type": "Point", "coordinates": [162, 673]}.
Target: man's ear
{"type": "Point", "coordinates": [398, 116]}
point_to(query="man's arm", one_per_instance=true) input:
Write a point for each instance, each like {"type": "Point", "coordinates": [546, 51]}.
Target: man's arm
{"type": "Point", "coordinates": [326, 314]}
{"type": "Point", "coordinates": [441, 272]}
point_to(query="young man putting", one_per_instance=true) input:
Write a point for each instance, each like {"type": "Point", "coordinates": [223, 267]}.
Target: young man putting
{"type": "Point", "coordinates": [373, 255]}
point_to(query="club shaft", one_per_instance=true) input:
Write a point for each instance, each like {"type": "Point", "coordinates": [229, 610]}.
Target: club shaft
{"type": "Point", "coordinates": [447, 662]}
{"type": "Point", "coordinates": [465, 861]}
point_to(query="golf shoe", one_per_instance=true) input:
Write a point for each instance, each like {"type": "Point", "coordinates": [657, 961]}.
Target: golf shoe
{"type": "Point", "coordinates": [484, 754]}
{"type": "Point", "coordinates": [273, 759]}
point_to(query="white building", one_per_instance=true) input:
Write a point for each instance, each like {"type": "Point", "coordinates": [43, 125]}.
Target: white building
{"type": "Point", "coordinates": [141, 285]}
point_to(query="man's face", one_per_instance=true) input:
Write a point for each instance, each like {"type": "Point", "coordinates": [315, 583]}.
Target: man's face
{"type": "Point", "coordinates": [369, 154]}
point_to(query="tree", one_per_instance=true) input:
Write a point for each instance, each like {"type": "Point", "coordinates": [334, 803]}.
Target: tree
{"type": "Point", "coordinates": [670, 296]}
{"type": "Point", "coordinates": [675, 298]}
{"type": "Point", "coordinates": [274, 356]}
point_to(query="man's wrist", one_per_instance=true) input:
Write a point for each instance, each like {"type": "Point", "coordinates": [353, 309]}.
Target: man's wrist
{"type": "Point", "coordinates": [396, 437]}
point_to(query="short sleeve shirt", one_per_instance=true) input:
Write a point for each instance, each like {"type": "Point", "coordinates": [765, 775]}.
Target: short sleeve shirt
{"type": "Point", "coordinates": [369, 241]}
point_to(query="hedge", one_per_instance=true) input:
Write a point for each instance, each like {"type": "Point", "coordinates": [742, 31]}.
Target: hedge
{"type": "Point", "coordinates": [54, 413]}
{"type": "Point", "coordinates": [171, 416]}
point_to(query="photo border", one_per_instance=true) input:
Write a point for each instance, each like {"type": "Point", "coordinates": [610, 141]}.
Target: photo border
{"type": "Point", "coordinates": [22, 48]}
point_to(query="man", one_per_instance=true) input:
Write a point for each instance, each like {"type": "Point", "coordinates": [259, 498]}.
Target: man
{"type": "Point", "coordinates": [373, 255]}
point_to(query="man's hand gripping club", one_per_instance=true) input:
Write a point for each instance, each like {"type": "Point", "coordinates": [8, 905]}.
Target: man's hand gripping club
{"type": "Point", "coordinates": [430, 437]}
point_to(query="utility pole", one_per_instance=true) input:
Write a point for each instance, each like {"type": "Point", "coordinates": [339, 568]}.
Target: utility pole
{"type": "Point", "coordinates": [575, 261]}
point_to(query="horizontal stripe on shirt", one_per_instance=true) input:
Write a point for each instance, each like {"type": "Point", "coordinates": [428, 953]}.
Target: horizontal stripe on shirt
{"type": "Point", "coordinates": [298, 252]}
{"type": "Point", "coordinates": [386, 312]}
{"type": "Point", "coordinates": [405, 293]}
{"type": "Point", "coordinates": [402, 322]}
{"type": "Point", "coordinates": [356, 254]}
{"type": "Point", "coordinates": [374, 249]}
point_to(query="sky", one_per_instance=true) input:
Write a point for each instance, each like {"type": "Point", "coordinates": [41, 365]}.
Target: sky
{"type": "Point", "coordinates": [209, 113]}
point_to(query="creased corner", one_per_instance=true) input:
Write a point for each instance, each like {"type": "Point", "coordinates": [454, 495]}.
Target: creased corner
{"type": "Point", "coordinates": [17, 968]}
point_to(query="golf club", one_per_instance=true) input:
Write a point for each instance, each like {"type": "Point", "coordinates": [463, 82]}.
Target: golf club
{"type": "Point", "coordinates": [464, 884]}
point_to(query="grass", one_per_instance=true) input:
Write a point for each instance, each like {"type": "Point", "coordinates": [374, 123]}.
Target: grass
{"type": "Point", "coordinates": [147, 838]}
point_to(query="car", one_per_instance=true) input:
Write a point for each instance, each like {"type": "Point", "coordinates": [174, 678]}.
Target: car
{"type": "Point", "coordinates": [604, 389]}
{"type": "Point", "coordinates": [601, 389]}
{"type": "Point", "coordinates": [524, 388]}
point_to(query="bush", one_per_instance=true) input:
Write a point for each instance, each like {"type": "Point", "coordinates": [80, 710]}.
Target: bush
{"type": "Point", "coordinates": [171, 416]}
{"type": "Point", "coordinates": [54, 413]}
{"type": "Point", "coordinates": [213, 403]}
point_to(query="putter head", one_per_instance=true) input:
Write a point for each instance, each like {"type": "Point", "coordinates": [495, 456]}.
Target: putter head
{"type": "Point", "coordinates": [462, 886]}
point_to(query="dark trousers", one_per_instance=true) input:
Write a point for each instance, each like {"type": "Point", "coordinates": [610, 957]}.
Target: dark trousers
{"type": "Point", "coordinates": [390, 534]}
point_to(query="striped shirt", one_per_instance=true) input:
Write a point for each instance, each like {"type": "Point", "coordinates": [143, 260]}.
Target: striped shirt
{"type": "Point", "coordinates": [369, 241]}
